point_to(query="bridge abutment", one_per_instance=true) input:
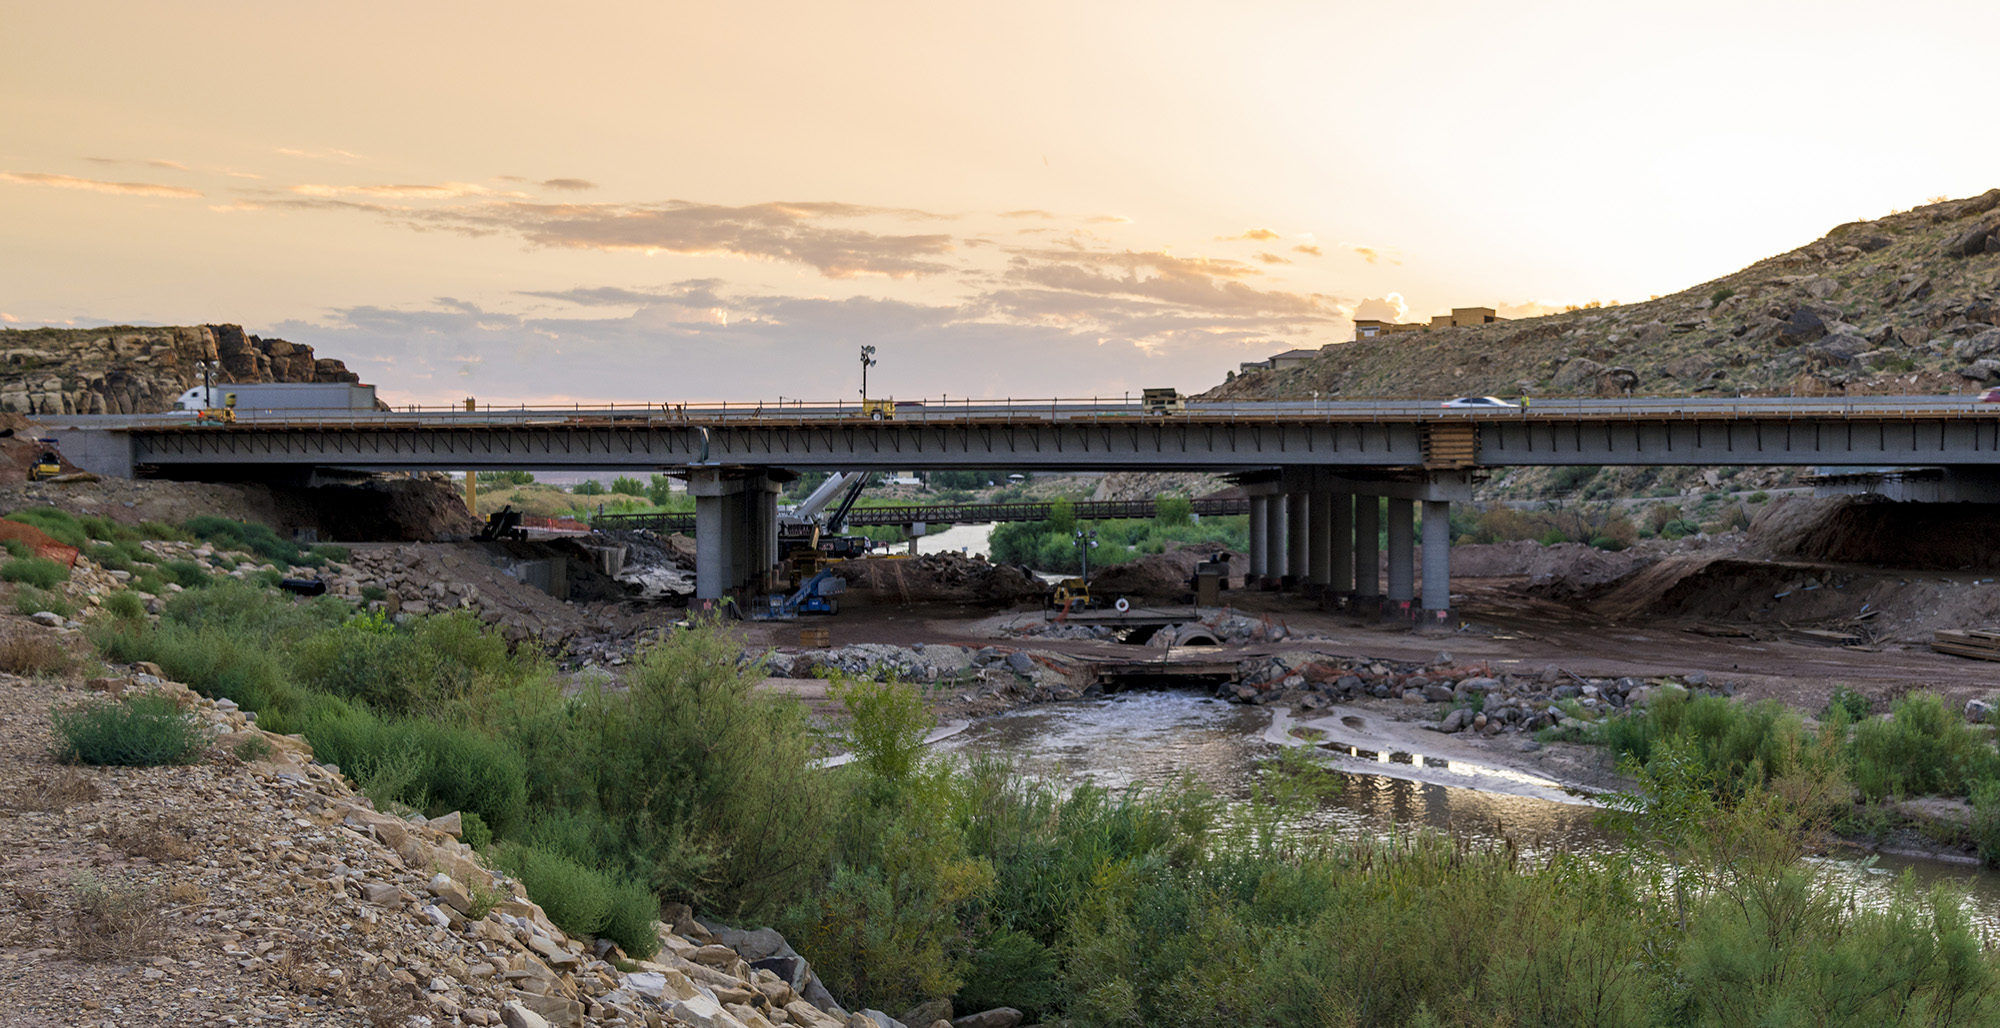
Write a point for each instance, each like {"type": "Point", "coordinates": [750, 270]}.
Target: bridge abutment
{"type": "Point", "coordinates": [1319, 534]}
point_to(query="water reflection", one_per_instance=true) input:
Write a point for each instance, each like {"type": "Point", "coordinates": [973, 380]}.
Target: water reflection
{"type": "Point", "coordinates": [1157, 738]}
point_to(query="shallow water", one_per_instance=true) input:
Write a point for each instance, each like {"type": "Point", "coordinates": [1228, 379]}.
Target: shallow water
{"type": "Point", "coordinates": [1156, 738]}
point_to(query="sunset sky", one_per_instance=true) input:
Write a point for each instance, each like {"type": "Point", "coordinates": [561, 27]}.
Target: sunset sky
{"type": "Point", "coordinates": [650, 201]}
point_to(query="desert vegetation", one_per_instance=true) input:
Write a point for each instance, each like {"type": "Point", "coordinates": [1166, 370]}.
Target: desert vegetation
{"type": "Point", "coordinates": [906, 878]}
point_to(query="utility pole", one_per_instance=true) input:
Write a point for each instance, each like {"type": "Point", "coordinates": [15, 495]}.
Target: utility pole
{"type": "Point", "coordinates": [867, 360]}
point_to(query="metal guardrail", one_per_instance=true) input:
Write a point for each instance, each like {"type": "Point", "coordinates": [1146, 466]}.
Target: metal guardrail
{"type": "Point", "coordinates": [799, 413]}
{"type": "Point", "coordinates": [953, 513]}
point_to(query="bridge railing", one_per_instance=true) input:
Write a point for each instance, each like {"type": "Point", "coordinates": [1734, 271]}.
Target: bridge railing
{"type": "Point", "coordinates": [1092, 410]}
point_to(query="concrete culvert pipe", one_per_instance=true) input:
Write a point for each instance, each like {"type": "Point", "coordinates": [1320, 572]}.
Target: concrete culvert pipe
{"type": "Point", "coordinates": [1183, 635]}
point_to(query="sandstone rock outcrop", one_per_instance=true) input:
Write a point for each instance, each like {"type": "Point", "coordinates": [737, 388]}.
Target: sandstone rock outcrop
{"type": "Point", "coordinates": [127, 370]}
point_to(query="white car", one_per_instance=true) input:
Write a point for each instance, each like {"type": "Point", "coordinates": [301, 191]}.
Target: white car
{"type": "Point", "coordinates": [1480, 403]}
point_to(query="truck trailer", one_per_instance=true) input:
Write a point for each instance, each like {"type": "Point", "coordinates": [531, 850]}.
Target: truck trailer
{"type": "Point", "coordinates": [254, 398]}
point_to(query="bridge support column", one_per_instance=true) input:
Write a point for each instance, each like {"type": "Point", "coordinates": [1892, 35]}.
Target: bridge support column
{"type": "Point", "coordinates": [761, 498]}
{"type": "Point", "coordinates": [1277, 554]}
{"type": "Point", "coordinates": [1319, 534]}
{"type": "Point", "coordinates": [1298, 539]}
{"type": "Point", "coordinates": [717, 525]}
{"type": "Point", "coordinates": [1367, 556]}
{"type": "Point", "coordinates": [1260, 542]}
{"type": "Point", "coordinates": [1340, 548]}
{"type": "Point", "coordinates": [1402, 553]}
{"type": "Point", "coordinates": [1437, 565]}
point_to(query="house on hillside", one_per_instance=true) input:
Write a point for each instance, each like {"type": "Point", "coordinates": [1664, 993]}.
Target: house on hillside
{"type": "Point", "coordinates": [1460, 317]}
{"type": "Point", "coordinates": [1281, 361]}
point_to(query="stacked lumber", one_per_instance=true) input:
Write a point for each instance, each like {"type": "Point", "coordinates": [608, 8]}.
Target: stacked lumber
{"type": "Point", "coordinates": [1977, 643]}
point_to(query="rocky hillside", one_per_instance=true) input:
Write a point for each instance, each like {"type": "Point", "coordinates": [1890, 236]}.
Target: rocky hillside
{"type": "Point", "coordinates": [126, 370]}
{"type": "Point", "coordinates": [1902, 304]}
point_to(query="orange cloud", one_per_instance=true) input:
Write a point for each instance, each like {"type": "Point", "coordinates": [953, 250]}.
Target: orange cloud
{"type": "Point", "coordinates": [1367, 254]}
{"type": "Point", "coordinates": [1256, 235]}
{"type": "Point", "coordinates": [36, 178]}
{"type": "Point", "coordinates": [1028, 213]}
{"type": "Point", "coordinates": [441, 191]}
{"type": "Point", "coordinates": [1307, 248]}
{"type": "Point", "coordinates": [1272, 258]}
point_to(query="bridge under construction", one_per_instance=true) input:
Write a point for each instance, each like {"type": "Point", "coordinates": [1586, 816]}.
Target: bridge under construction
{"type": "Point", "coordinates": [1304, 465]}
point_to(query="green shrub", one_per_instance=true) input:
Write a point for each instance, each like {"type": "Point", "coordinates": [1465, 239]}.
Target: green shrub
{"type": "Point", "coordinates": [186, 573]}
{"type": "Point", "coordinates": [56, 524]}
{"type": "Point", "coordinates": [373, 594]}
{"type": "Point", "coordinates": [137, 731]}
{"type": "Point", "coordinates": [1986, 821]}
{"type": "Point", "coordinates": [331, 551]}
{"type": "Point", "coordinates": [253, 748]}
{"type": "Point", "coordinates": [39, 572]}
{"type": "Point", "coordinates": [30, 600]}
{"type": "Point", "coordinates": [17, 548]}
{"type": "Point", "coordinates": [251, 536]}
{"type": "Point", "coordinates": [582, 900]}
{"type": "Point", "coordinates": [428, 765]}
{"type": "Point", "coordinates": [1846, 702]}
{"type": "Point", "coordinates": [474, 831]}
{"type": "Point", "coordinates": [1720, 295]}
{"type": "Point", "coordinates": [1922, 749]}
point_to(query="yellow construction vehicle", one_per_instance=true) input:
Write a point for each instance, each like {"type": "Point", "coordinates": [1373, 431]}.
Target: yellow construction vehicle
{"type": "Point", "coordinates": [1161, 401]}
{"type": "Point", "coordinates": [45, 466]}
{"type": "Point", "coordinates": [1072, 594]}
{"type": "Point", "coordinates": [879, 410]}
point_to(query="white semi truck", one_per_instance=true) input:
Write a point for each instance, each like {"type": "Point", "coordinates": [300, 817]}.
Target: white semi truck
{"type": "Point", "coordinates": [278, 397]}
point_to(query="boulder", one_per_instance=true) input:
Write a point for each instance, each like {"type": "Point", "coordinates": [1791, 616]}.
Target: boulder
{"type": "Point", "coordinates": [514, 1015]}
{"type": "Point", "coordinates": [1456, 721]}
{"type": "Point", "coordinates": [1617, 381]}
{"type": "Point", "coordinates": [1692, 368]}
{"type": "Point", "coordinates": [1985, 344]}
{"type": "Point", "coordinates": [1978, 711]}
{"type": "Point", "coordinates": [1576, 373]}
{"type": "Point", "coordinates": [703, 1012]}
{"type": "Point", "coordinates": [925, 1013]}
{"type": "Point", "coordinates": [1982, 237]}
{"type": "Point", "coordinates": [1804, 326]}
{"type": "Point", "coordinates": [1836, 350]}
{"type": "Point", "coordinates": [998, 1017]}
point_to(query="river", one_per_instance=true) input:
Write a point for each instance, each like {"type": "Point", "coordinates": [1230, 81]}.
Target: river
{"type": "Point", "coordinates": [1155, 738]}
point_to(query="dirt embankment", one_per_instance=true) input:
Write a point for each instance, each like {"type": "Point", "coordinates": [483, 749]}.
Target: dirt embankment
{"type": "Point", "coordinates": [941, 578]}
{"type": "Point", "coordinates": [388, 508]}
{"type": "Point", "coordinates": [1165, 576]}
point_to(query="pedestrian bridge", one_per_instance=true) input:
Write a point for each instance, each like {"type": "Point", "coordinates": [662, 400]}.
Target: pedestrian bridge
{"type": "Point", "coordinates": [1303, 463]}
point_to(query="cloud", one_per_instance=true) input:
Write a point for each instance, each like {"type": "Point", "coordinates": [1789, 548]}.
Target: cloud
{"type": "Point", "coordinates": [1367, 254]}
{"type": "Point", "coordinates": [792, 232]}
{"type": "Point", "coordinates": [1388, 308]}
{"type": "Point", "coordinates": [440, 191]}
{"type": "Point", "coordinates": [1272, 258]}
{"type": "Point", "coordinates": [1528, 309]}
{"type": "Point", "coordinates": [9, 318]}
{"type": "Point", "coordinates": [154, 163]}
{"type": "Point", "coordinates": [1255, 235]}
{"type": "Point", "coordinates": [1307, 248]}
{"type": "Point", "coordinates": [571, 185]}
{"type": "Point", "coordinates": [1108, 219]}
{"type": "Point", "coordinates": [36, 178]}
{"type": "Point", "coordinates": [322, 155]}
{"type": "Point", "coordinates": [1029, 213]}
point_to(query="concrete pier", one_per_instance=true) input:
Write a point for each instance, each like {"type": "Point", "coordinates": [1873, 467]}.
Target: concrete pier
{"type": "Point", "coordinates": [1437, 564]}
{"type": "Point", "coordinates": [1298, 539]}
{"type": "Point", "coordinates": [1260, 541]}
{"type": "Point", "coordinates": [1402, 554]}
{"type": "Point", "coordinates": [1367, 556]}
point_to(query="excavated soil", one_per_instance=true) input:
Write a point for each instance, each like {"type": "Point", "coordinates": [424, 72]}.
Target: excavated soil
{"type": "Point", "coordinates": [940, 578]}
{"type": "Point", "coordinates": [1162, 576]}
{"type": "Point", "coordinates": [1859, 530]}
